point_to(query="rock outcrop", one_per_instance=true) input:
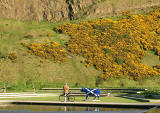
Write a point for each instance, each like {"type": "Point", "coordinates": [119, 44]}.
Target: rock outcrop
{"type": "Point", "coordinates": [56, 10]}
{"type": "Point", "coordinates": [40, 10]}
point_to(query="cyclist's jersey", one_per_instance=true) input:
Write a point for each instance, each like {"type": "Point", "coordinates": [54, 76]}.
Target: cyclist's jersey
{"type": "Point", "coordinates": [66, 89]}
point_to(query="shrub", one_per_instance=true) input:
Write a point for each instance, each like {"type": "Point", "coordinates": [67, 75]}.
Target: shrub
{"type": "Point", "coordinates": [99, 27]}
{"type": "Point", "coordinates": [2, 55]}
{"type": "Point", "coordinates": [48, 50]}
{"type": "Point", "coordinates": [12, 56]}
{"type": "Point", "coordinates": [77, 84]}
{"type": "Point", "coordinates": [28, 36]}
{"type": "Point", "coordinates": [50, 34]}
{"type": "Point", "coordinates": [107, 50]}
{"type": "Point", "coordinates": [118, 60]}
{"type": "Point", "coordinates": [158, 31]}
{"type": "Point", "coordinates": [88, 39]}
{"type": "Point", "coordinates": [126, 36]}
{"type": "Point", "coordinates": [149, 94]}
{"type": "Point", "coordinates": [99, 81]}
{"type": "Point", "coordinates": [157, 66]}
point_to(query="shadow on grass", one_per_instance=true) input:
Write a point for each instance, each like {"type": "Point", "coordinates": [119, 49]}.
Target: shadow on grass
{"type": "Point", "coordinates": [140, 99]}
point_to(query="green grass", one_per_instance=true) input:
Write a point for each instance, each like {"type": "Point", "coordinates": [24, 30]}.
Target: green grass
{"type": "Point", "coordinates": [13, 32]}
{"type": "Point", "coordinates": [102, 0]}
{"type": "Point", "coordinates": [50, 74]}
{"type": "Point", "coordinates": [109, 99]}
{"type": "Point", "coordinates": [151, 59]}
{"type": "Point", "coordinates": [150, 84]}
{"type": "Point", "coordinates": [77, 99]}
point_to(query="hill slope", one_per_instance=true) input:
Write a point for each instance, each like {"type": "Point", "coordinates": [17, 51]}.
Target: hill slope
{"type": "Point", "coordinates": [32, 54]}
{"type": "Point", "coordinates": [117, 47]}
{"type": "Point", "coordinates": [19, 69]}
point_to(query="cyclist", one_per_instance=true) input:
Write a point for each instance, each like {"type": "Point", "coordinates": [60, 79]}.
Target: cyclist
{"type": "Point", "coordinates": [66, 89]}
{"type": "Point", "coordinates": [66, 95]}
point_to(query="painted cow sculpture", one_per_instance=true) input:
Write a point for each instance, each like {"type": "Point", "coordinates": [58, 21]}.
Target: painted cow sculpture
{"type": "Point", "coordinates": [89, 91]}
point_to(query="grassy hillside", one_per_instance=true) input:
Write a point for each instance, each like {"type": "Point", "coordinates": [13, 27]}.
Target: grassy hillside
{"type": "Point", "coordinates": [151, 59]}
{"type": "Point", "coordinates": [19, 69]}
{"type": "Point", "coordinates": [96, 52]}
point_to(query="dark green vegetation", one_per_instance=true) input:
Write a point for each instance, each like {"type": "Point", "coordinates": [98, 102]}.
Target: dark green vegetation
{"type": "Point", "coordinates": [150, 94]}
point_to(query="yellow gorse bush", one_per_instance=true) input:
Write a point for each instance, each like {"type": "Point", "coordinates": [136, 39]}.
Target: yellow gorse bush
{"type": "Point", "coordinates": [12, 56]}
{"type": "Point", "coordinates": [48, 50]}
{"type": "Point", "coordinates": [117, 47]}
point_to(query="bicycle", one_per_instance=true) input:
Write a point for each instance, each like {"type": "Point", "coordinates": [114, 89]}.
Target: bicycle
{"type": "Point", "coordinates": [68, 97]}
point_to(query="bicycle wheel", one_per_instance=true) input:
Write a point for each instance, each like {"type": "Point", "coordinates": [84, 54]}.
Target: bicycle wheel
{"type": "Point", "coordinates": [61, 98]}
{"type": "Point", "coordinates": [71, 98]}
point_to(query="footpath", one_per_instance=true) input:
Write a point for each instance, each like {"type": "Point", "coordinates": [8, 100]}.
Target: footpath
{"type": "Point", "coordinates": [91, 103]}
{"type": "Point", "coordinates": [20, 95]}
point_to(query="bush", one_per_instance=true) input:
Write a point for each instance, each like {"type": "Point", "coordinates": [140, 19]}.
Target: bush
{"type": "Point", "coordinates": [99, 27]}
{"type": "Point", "coordinates": [119, 61]}
{"type": "Point", "coordinates": [126, 36]}
{"type": "Point", "coordinates": [77, 84]}
{"type": "Point", "coordinates": [157, 66]}
{"type": "Point", "coordinates": [2, 55]}
{"type": "Point", "coordinates": [107, 50]}
{"type": "Point", "coordinates": [50, 34]}
{"type": "Point", "coordinates": [48, 50]}
{"type": "Point", "coordinates": [99, 81]}
{"type": "Point", "coordinates": [12, 56]}
{"type": "Point", "coordinates": [148, 94]}
{"type": "Point", "coordinates": [28, 36]}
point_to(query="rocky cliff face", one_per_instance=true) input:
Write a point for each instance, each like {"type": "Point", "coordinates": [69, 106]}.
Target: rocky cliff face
{"type": "Point", "coordinates": [55, 10]}
{"type": "Point", "coordinates": [50, 10]}
{"type": "Point", "coordinates": [77, 8]}
{"type": "Point", "coordinates": [34, 9]}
